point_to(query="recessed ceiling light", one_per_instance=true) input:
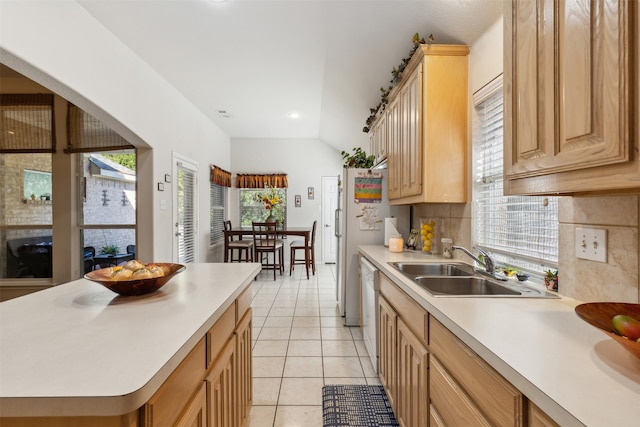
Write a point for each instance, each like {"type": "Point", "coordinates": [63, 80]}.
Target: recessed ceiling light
{"type": "Point", "coordinates": [294, 115]}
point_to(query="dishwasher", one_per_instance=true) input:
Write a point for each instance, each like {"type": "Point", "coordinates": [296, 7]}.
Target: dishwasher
{"type": "Point", "coordinates": [370, 290]}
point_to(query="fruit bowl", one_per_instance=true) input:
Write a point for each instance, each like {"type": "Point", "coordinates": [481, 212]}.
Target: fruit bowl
{"type": "Point", "coordinates": [599, 315]}
{"type": "Point", "coordinates": [134, 285]}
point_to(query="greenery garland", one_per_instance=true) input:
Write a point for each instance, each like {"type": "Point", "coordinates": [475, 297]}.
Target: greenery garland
{"type": "Point", "coordinates": [396, 74]}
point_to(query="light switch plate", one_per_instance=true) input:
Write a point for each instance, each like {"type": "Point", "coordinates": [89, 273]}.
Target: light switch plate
{"type": "Point", "coordinates": [591, 244]}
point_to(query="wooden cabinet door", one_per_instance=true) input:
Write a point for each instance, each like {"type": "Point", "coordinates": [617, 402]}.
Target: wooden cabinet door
{"type": "Point", "coordinates": [244, 370]}
{"type": "Point", "coordinates": [450, 403]}
{"type": "Point", "coordinates": [378, 139]}
{"type": "Point", "coordinates": [394, 149]}
{"type": "Point", "coordinates": [568, 87]}
{"type": "Point", "coordinates": [387, 319]}
{"type": "Point", "coordinates": [195, 414]}
{"type": "Point", "coordinates": [537, 418]}
{"type": "Point", "coordinates": [412, 395]}
{"type": "Point", "coordinates": [411, 143]}
{"type": "Point", "coordinates": [220, 387]}
{"type": "Point", "coordinates": [171, 399]}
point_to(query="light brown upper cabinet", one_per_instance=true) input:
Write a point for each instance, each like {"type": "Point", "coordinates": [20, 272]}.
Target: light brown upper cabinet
{"type": "Point", "coordinates": [570, 93]}
{"type": "Point", "coordinates": [426, 135]}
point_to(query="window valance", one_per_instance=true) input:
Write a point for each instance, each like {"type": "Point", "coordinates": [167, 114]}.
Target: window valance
{"type": "Point", "coordinates": [26, 123]}
{"type": "Point", "coordinates": [220, 176]}
{"type": "Point", "coordinates": [278, 180]}
{"type": "Point", "coordinates": [87, 134]}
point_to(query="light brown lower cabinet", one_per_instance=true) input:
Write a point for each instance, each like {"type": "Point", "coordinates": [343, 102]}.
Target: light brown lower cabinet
{"type": "Point", "coordinates": [195, 415]}
{"type": "Point", "coordinates": [244, 369]}
{"type": "Point", "coordinates": [493, 397]}
{"type": "Point", "coordinates": [412, 379]}
{"type": "Point", "coordinates": [403, 356]}
{"type": "Point", "coordinates": [220, 387]}
{"type": "Point", "coordinates": [450, 402]}
{"type": "Point", "coordinates": [212, 385]}
{"type": "Point", "coordinates": [432, 378]}
{"type": "Point", "coordinates": [537, 418]}
{"type": "Point", "coordinates": [387, 364]}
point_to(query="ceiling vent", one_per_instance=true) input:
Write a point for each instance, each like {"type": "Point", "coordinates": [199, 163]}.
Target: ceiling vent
{"type": "Point", "coordinates": [223, 113]}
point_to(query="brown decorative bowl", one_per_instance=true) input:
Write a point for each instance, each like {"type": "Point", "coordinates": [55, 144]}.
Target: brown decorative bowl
{"type": "Point", "coordinates": [135, 286]}
{"type": "Point", "coordinates": [599, 314]}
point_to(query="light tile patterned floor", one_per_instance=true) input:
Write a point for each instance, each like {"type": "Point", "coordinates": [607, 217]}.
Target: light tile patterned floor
{"type": "Point", "coordinates": [300, 345]}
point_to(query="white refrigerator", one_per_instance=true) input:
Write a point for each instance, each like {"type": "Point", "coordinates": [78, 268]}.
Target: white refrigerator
{"type": "Point", "coordinates": [362, 208]}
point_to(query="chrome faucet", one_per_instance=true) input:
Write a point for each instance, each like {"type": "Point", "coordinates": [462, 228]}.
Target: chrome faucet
{"type": "Point", "coordinates": [487, 262]}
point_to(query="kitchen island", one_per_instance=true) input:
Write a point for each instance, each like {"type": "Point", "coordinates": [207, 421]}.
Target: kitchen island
{"type": "Point", "coordinates": [79, 351]}
{"type": "Point", "coordinates": [573, 372]}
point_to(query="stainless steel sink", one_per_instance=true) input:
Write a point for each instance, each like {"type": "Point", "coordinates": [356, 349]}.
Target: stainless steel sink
{"type": "Point", "coordinates": [433, 269]}
{"type": "Point", "coordinates": [463, 286]}
{"type": "Point", "coordinates": [460, 280]}
{"type": "Point", "coordinates": [478, 286]}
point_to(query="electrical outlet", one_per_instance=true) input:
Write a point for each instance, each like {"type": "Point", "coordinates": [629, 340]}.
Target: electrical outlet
{"type": "Point", "coordinates": [591, 244]}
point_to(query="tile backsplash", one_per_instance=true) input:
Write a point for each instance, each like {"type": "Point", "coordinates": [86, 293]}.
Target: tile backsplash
{"type": "Point", "coordinates": [584, 280]}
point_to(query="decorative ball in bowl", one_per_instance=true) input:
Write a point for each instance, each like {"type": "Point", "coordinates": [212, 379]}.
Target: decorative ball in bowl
{"type": "Point", "coordinates": [621, 321]}
{"type": "Point", "coordinates": [135, 277]}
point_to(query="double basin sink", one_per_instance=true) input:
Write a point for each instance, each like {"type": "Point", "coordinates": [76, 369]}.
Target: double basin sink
{"type": "Point", "coordinates": [461, 280]}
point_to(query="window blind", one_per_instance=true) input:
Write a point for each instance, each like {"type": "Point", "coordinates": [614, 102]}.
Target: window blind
{"type": "Point", "coordinates": [86, 133]}
{"type": "Point", "coordinates": [27, 123]}
{"type": "Point", "coordinates": [186, 194]}
{"type": "Point", "coordinates": [519, 230]}
{"type": "Point", "coordinates": [218, 200]}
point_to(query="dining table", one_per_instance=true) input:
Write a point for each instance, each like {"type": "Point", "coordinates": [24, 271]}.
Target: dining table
{"type": "Point", "coordinates": [284, 231]}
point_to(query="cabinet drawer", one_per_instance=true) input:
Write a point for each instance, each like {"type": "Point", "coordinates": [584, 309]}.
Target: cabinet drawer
{"type": "Point", "coordinates": [414, 316]}
{"type": "Point", "coordinates": [537, 418]}
{"type": "Point", "coordinates": [501, 402]}
{"type": "Point", "coordinates": [220, 333]}
{"type": "Point", "coordinates": [451, 403]}
{"type": "Point", "coordinates": [243, 303]}
{"type": "Point", "coordinates": [172, 397]}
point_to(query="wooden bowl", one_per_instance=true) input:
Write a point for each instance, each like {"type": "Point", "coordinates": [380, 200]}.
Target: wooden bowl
{"type": "Point", "coordinates": [599, 315]}
{"type": "Point", "coordinates": [135, 286]}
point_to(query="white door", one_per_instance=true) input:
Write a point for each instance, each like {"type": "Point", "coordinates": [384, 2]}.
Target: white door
{"type": "Point", "coordinates": [329, 206]}
{"type": "Point", "coordinates": [185, 181]}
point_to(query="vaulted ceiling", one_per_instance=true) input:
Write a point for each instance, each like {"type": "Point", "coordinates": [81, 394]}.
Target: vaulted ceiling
{"type": "Point", "coordinates": [248, 64]}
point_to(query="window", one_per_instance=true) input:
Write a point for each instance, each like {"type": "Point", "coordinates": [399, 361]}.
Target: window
{"type": "Point", "coordinates": [521, 231]}
{"type": "Point", "coordinates": [107, 203]}
{"type": "Point", "coordinates": [252, 209]}
{"type": "Point", "coordinates": [186, 223]}
{"type": "Point", "coordinates": [218, 212]}
{"type": "Point", "coordinates": [25, 221]}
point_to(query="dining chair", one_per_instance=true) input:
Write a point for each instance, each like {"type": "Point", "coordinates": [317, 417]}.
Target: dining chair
{"type": "Point", "coordinates": [244, 247]}
{"type": "Point", "coordinates": [89, 262]}
{"type": "Point", "coordinates": [265, 242]}
{"type": "Point", "coordinates": [37, 258]}
{"type": "Point", "coordinates": [310, 248]}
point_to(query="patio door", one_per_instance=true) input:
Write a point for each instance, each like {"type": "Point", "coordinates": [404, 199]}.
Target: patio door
{"type": "Point", "coordinates": [185, 210]}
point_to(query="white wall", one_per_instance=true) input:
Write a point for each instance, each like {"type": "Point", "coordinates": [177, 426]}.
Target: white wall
{"type": "Point", "coordinates": [305, 161]}
{"type": "Point", "coordinates": [486, 56]}
{"type": "Point", "coordinates": [60, 46]}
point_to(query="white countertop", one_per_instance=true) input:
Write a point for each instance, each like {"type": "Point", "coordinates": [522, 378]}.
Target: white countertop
{"type": "Point", "coordinates": [79, 349]}
{"type": "Point", "coordinates": [571, 370]}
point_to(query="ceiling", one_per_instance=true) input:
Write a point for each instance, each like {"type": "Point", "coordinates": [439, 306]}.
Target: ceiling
{"type": "Point", "coordinates": [259, 60]}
